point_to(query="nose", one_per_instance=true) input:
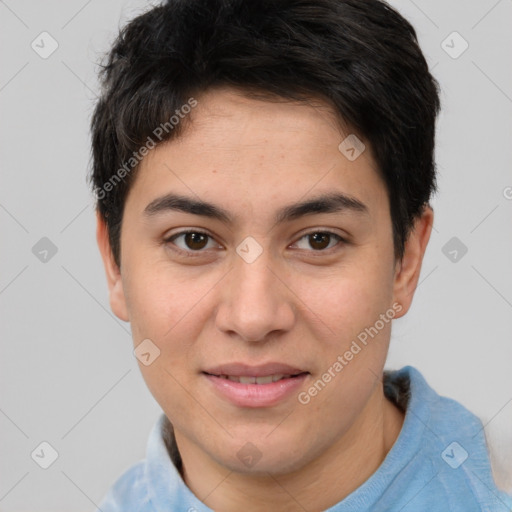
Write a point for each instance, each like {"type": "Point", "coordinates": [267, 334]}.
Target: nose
{"type": "Point", "coordinates": [256, 302]}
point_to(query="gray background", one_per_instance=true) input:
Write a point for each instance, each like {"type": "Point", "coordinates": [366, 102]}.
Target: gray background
{"type": "Point", "coordinates": [67, 373]}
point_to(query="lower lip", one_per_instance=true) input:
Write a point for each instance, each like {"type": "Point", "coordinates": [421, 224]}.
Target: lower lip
{"type": "Point", "coordinates": [256, 395]}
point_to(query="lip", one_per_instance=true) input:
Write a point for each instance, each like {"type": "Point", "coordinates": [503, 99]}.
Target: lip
{"type": "Point", "coordinates": [255, 395]}
{"type": "Point", "coordinates": [263, 370]}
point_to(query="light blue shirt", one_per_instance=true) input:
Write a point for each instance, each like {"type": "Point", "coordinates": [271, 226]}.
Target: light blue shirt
{"type": "Point", "coordinates": [438, 463]}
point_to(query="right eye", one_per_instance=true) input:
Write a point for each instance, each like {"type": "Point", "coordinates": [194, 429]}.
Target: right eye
{"type": "Point", "coordinates": [191, 241]}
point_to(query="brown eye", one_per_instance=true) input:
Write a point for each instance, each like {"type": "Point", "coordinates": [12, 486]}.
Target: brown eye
{"type": "Point", "coordinates": [196, 241]}
{"type": "Point", "coordinates": [191, 241]}
{"type": "Point", "coordinates": [318, 240]}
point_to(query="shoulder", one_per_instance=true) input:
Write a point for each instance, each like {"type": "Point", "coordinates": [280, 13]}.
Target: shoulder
{"type": "Point", "coordinates": [452, 445]}
{"type": "Point", "coordinates": [129, 493]}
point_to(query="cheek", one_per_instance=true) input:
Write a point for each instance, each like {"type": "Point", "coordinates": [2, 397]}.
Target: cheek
{"type": "Point", "coordinates": [159, 300]}
{"type": "Point", "coordinates": [166, 309]}
{"type": "Point", "coordinates": [346, 300]}
{"type": "Point", "coordinates": [172, 310]}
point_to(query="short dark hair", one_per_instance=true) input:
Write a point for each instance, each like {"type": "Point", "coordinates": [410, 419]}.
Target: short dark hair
{"type": "Point", "coordinates": [360, 56]}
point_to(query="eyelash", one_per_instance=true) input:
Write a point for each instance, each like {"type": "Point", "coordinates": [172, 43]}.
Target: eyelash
{"type": "Point", "coordinates": [195, 254]}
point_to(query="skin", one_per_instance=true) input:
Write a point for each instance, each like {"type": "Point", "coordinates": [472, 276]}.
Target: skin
{"type": "Point", "coordinates": [295, 304]}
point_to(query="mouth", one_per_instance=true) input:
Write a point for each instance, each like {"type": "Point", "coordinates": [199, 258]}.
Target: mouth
{"type": "Point", "coordinates": [250, 379]}
{"type": "Point", "coordinates": [255, 386]}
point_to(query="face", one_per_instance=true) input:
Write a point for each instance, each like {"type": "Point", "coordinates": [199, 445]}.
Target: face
{"type": "Point", "coordinates": [262, 301]}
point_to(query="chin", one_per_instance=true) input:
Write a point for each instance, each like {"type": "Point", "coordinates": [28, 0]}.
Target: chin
{"type": "Point", "coordinates": [261, 456]}
{"type": "Point", "coordinates": [265, 466]}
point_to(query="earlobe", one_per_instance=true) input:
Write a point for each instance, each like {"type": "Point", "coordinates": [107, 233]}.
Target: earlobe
{"type": "Point", "coordinates": [112, 271]}
{"type": "Point", "coordinates": [408, 270]}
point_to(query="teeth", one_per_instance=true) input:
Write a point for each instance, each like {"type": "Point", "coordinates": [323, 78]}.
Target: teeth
{"type": "Point", "coordinates": [247, 380]}
{"type": "Point", "coordinates": [255, 380]}
{"type": "Point", "coordinates": [264, 380]}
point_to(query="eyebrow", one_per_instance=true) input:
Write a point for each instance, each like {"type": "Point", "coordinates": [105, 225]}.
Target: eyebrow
{"type": "Point", "coordinates": [326, 203]}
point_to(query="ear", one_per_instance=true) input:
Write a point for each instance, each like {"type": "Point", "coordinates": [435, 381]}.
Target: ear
{"type": "Point", "coordinates": [407, 271]}
{"type": "Point", "coordinates": [113, 273]}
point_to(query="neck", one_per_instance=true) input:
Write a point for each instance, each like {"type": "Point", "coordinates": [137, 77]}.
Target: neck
{"type": "Point", "coordinates": [319, 485]}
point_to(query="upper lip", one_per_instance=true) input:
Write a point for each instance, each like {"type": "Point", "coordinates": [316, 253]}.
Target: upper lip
{"type": "Point", "coordinates": [245, 370]}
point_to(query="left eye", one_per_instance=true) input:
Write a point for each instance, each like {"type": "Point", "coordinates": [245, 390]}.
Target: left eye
{"type": "Point", "coordinates": [320, 240]}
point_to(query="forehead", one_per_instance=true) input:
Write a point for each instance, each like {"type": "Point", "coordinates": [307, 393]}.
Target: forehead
{"type": "Point", "coordinates": [228, 118]}
{"type": "Point", "coordinates": [244, 150]}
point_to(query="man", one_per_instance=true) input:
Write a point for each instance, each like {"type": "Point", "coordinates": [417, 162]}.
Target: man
{"type": "Point", "coordinates": [263, 173]}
